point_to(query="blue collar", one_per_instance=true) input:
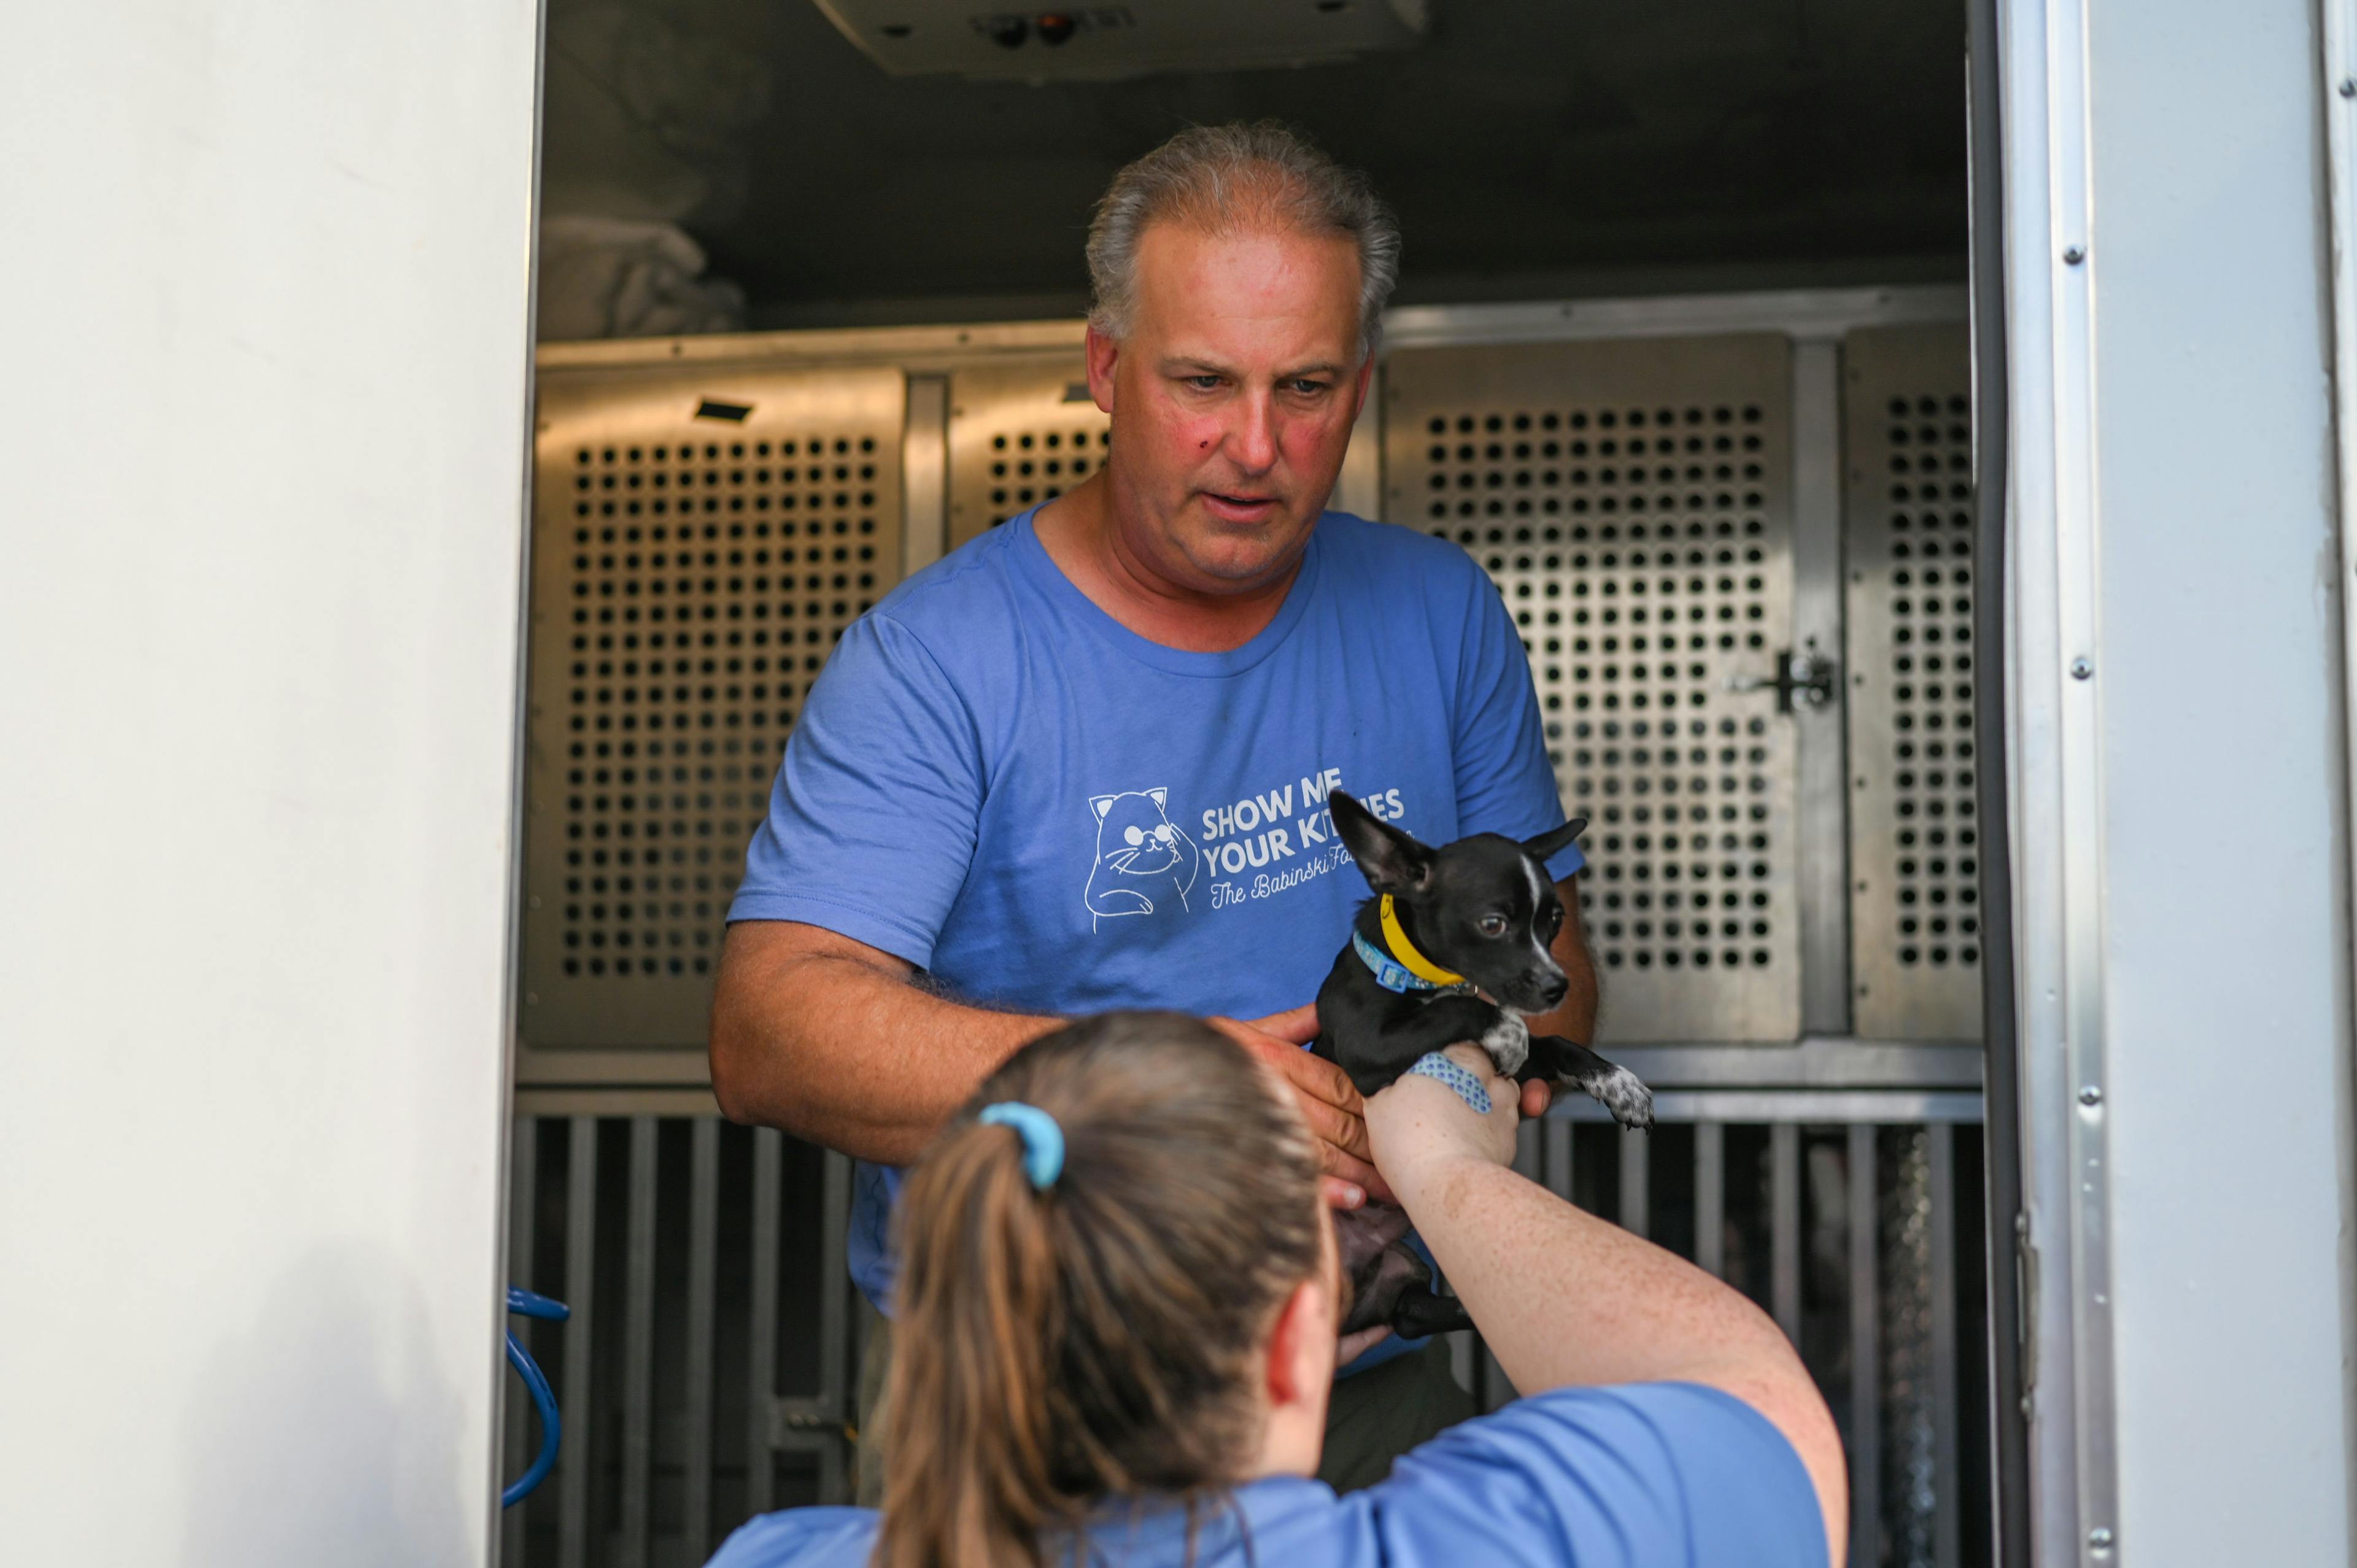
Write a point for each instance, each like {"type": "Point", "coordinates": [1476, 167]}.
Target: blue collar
{"type": "Point", "coordinates": [1390, 974]}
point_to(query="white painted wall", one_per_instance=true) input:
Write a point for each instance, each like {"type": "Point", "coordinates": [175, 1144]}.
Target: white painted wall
{"type": "Point", "coordinates": [263, 401]}
{"type": "Point", "coordinates": [2181, 813]}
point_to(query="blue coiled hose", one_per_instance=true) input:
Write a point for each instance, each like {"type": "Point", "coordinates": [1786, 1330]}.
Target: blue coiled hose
{"type": "Point", "coordinates": [551, 1431]}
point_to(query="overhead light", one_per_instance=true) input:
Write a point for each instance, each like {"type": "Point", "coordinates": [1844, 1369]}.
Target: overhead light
{"type": "Point", "coordinates": [1106, 43]}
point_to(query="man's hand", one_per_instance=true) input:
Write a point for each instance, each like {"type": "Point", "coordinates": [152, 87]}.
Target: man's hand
{"type": "Point", "coordinates": [1329, 1102]}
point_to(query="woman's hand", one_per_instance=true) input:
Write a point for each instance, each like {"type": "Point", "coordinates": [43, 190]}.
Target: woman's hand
{"type": "Point", "coordinates": [1420, 1120]}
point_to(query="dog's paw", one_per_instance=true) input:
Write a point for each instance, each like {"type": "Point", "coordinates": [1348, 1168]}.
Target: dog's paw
{"type": "Point", "coordinates": [1624, 1094]}
{"type": "Point", "coordinates": [1507, 1041]}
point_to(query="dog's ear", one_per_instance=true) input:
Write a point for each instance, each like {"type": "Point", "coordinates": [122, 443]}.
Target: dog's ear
{"type": "Point", "coordinates": [1545, 845]}
{"type": "Point", "coordinates": [1390, 860]}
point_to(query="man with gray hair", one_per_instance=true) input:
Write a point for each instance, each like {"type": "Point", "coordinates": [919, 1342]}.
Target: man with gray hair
{"type": "Point", "coordinates": [1082, 763]}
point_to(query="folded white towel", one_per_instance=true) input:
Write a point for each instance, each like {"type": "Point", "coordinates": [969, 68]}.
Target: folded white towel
{"type": "Point", "coordinates": [614, 277]}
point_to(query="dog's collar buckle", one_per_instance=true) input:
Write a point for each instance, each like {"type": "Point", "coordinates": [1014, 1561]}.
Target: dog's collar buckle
{"type": "Point", "coordinates": [1392, 975]}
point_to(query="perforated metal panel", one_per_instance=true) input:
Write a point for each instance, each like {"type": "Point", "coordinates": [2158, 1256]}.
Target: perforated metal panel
{"type": "Point", "coordinates": [1914, 843]}
{"type": "Point", "coordinates": [702, 537]}
{"type": "Point", "coordinates": [1632, 499]}
{"type": "Point", "coordinates": [1021, 432]}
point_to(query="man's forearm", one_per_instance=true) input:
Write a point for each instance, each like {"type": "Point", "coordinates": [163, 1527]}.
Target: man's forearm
{"type": "Point", "coordinates": [844, 1050]}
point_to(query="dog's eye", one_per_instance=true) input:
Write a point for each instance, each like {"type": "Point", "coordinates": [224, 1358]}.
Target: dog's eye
{"type": "Point", "coordinates": [1494, 925]}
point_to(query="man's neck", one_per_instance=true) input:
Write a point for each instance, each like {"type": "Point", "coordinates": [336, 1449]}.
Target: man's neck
{"type": "Point", "coordinates": [1080, 534]}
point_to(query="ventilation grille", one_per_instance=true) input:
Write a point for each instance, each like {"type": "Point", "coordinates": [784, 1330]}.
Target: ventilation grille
{"type": "Point", "coordinates": [1914, 848]}
{"type": "Point", "coordinates": [692, 574]}
{"type": "Point", "coordinates": [1632, 502]}
{"type": "Point", "coordinates": [1020, 434]}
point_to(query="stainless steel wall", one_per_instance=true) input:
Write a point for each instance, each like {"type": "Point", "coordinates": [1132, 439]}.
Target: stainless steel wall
{"type": "Point", "coordinates": [1717, 522]}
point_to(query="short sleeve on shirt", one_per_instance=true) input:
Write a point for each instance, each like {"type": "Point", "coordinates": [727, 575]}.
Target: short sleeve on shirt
{"type": "Point", "coordinates": [810, 1538]}
{"type": "Point", "coordinates": [885, 745]}
{"type": "Point", "coordinates": [1640, 1477]}
{"type": "Point", "coordinates": [1505, 782]}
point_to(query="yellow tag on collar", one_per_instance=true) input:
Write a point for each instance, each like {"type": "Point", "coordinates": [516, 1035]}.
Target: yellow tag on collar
{"type": "Point", "coordinates": [1414, 963]}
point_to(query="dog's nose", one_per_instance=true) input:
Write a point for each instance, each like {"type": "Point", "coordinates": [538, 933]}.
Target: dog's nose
{"type": "Point", "coordinates": [1554, 990]}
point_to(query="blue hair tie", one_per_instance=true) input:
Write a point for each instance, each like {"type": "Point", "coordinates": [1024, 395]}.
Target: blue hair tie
{"type": "Point", "coordinates": [1043, 1141]}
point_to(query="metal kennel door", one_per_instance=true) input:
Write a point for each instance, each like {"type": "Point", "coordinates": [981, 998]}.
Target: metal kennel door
{"type": "Point", "coordinates": [704, 533]}
{"type": "Point", "coordinates": [1908, 584]}
{"type": "Point", "coordinates": [1634, 500]}
{"type": "Point", "coordinates": [1022, 431]}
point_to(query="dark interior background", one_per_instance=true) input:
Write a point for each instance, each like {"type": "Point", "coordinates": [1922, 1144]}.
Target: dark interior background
{"type": "Point", "coordinates": [1535, 148]}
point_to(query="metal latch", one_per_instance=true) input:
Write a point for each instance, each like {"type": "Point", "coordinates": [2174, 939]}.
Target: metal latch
{"type": "Point", "coordinates": [2025, 1310]}
{"type": "Point", "coordinates": [1807, 676]}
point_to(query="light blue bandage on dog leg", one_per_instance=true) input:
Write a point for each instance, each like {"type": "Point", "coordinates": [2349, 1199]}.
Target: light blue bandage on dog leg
{"type": "Point", "coordinates": [1432, 1064]}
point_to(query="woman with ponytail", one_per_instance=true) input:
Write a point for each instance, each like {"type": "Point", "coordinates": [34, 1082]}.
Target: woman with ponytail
{"type": "Point", "coordinates": [1114, 1327]}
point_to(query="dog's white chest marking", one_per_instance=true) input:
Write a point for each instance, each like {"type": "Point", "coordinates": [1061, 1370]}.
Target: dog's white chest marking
{"type": "Point", "coordinates": [1507, 1041]}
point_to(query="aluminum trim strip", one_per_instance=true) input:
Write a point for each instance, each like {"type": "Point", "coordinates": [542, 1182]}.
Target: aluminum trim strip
{"type": "Point", "coordinates": [925, 474]}
{"type": "Point", "coordinates": [1803, 314]}
{"type": "Point", "coordinates": [1821, 807]}
{"type": "Point", "coordinates": [1782, 1108]}
{"type": "Point", "coordinates": [2075, 545]}
{"type": "Point", "coordinates": [2034, 659]}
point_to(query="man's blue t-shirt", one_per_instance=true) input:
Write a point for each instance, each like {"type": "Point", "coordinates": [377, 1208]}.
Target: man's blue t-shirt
{"type": "Point", "coordinates": [1648, 1476]}
{"type": "Point", "coordinates": [996, 780]}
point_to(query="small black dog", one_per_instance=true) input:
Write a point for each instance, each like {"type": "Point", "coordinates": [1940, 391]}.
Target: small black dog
{"type": "Point", "coordinates": [1455, 946]}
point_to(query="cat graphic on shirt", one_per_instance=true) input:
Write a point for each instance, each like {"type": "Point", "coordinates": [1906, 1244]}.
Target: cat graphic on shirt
{"type": "Point", "coordinates": [1143, 858]}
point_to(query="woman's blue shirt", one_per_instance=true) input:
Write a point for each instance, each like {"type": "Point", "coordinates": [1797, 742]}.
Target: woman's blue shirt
{"type": "Point", "coordinates": [1647, 1474]}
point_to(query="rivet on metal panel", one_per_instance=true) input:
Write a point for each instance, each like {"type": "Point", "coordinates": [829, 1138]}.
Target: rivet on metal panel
{"type": "Point", "coordinates": [2100, 1538]}
{"type": "Point", "coordinates": [2348, 88]}
{"type": "Point", "coordinates": [2074, 254]}
{"type": "Point", "coordinates": [2090, 1095]}
{"type": "Point", "coordinates": [2082, 668]}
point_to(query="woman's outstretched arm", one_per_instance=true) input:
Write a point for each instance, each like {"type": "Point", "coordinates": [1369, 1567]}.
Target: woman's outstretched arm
{"type": "Point", "coordinates": [1563, 1298]}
